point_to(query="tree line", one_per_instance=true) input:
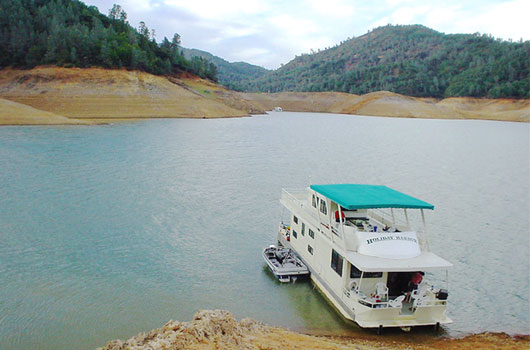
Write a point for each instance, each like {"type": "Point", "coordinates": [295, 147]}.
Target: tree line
{"type": "Point", "coordinates": [230, 73]}
{"type": "Point", "coordinates": [71, 34]}
{"type": "Point", "coordinates": [411, 60]}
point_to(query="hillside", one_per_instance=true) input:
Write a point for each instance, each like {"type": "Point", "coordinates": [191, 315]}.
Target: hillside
{"type": "Point", "coordinates": [410, 60]}
{"type": "Point", "coordinates": [230, 74]}
{"type": "Point", "coordinates": [389, 104]}
{"type": "Point", "coordinates": [71, 34]}
{"type": "Point", "coordinates": [12, 113]}
{"type": "Point", "coordinates": [55, 95]}
{"type": "Point", "coordinates": [96, 93]}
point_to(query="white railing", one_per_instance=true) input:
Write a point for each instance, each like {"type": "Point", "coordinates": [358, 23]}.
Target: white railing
{"type": "Point", "coordinates": [293, 197]}
{"type": "Point", "coordinates": [401, 224]}
{"type": "Point", "coordinates": [373, 303]}
{"type": "Point", "coordinates": [431, 302]}
{"type": "Point", "coordinates": [366, 301]}
{"type": "Point", "coordinates": [388, 217]}
{"type": "Point", "coordinates": [425, 295]}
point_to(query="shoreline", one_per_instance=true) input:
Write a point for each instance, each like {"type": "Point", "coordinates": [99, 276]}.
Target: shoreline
{"type": "Point", "coordinates": [63, 96]}
{"type": "Point", "coordinates": [212, 329]}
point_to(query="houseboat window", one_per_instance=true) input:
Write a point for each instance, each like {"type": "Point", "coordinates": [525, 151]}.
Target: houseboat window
{"type": "Point", "coordinates": [295, 219]}
{"type": "Point", "coordinates": [314, 202]}
{"type": "Point", "coordinates": [295, 234]}
{"type": "Point", "coordinates": [303, 229]}
{"type": "Point", "coordinates": [310, 249]}
{"type": "Point", "coordinates": [336, 262]}
{"type": "Point", "coordinates": [356, 273]}
{"type": "Point", "coordinates": [323, 208]}
{"type": "Point", "coordinates": [311, 234]}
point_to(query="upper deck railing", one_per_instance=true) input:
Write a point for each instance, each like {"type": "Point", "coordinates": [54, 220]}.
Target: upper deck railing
{"type": "Point", "coordinates": [389, 216]}
{"type": "Point", "coordinates": [298, 198]}
{"type": "Point", "coordinates": [295, 197]}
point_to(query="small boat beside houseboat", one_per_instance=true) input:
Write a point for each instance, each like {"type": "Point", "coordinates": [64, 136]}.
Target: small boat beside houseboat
{"type": "Point", "coordinates": [284, 263]}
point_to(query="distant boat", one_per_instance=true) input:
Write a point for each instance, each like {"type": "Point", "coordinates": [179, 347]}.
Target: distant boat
{"type": "Point", "coordinates": [284, 263]}
{"type": "Point", "coordinates": [278, 109]}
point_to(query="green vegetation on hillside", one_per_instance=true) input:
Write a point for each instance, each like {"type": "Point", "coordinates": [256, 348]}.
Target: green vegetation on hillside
{"type": "Point", "coordinates": [410, 60]}
{"type": "Point", "coordinates": [69, 33]}
{"type": "Point", "coordinates": [230, 74]}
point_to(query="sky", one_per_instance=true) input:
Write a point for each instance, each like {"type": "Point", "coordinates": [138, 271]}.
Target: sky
{"type": "Point", "coordinates": [270, 33]}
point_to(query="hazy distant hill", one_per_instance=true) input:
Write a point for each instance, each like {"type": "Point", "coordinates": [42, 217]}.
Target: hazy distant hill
{"type": "Point", "coordinates": [411, 60]}
{"type": "Point", "coordinates": [229, 74]}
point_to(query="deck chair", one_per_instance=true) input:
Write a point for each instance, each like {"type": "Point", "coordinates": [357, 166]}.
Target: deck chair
{"type": "Point", "coordinates": [398, 302]}
{"type": "Point", "coordinates": [419, 296]}
{"type": "Point", "coordinates": [382, 290]}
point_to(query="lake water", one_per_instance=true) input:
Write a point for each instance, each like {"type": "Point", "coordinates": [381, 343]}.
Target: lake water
{"type": "Point", "coordinates": [107, 231]}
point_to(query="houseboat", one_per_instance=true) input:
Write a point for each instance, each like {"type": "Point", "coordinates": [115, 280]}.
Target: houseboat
{"type": "Point", "coordinates": [366, 256]}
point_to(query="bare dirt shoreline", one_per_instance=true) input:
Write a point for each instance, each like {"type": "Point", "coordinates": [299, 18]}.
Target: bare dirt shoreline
{"type": "Point", "coordinates": [219, 330]}
{"type": "Point", "coordinates": [54, 95]}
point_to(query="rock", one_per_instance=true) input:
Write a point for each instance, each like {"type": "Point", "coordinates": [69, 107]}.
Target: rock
{"type": "Point", "coordinates": [218, 328]}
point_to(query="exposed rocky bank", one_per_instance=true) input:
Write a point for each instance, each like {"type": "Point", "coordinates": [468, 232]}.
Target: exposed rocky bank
{"type": "Point", "coordinates": [219, 329]}
{"type": "Point", "coordinates": [55, 95]}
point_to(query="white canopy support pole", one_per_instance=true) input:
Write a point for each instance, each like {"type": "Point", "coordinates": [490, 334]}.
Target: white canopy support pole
{"type": "Point", "coordinates": [424, 230]}
{"type": "Point", "coordinates": [341, 222]}
{"type": "Point", "coordinates": [328, 210]}
{"type": "Point", "coordinates": [447, 280]}
{"type": "Point", "coordinates": [318, 212]}
{"type": "Point", "coordinates": [360, 281]}
{"type": "Point", "coordinates": [423, 221]}
{"type": "Point", "coordinates": [406, 217]}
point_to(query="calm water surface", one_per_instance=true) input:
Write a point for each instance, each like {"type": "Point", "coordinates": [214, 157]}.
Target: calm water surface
{"type": "Point", "coordinates": [107, 231]}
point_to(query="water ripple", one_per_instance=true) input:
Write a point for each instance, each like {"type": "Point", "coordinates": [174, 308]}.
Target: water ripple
{"type": "Point", "coordinates": [109, 231]}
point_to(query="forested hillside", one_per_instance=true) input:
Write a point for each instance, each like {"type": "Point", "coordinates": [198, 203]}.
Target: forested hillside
{"type": "Point", "coordinates": [410, 60]}
{"type": "Point", "coordinates": [69, 33]}
{"type": "Point", "coordinates": [230, 74]}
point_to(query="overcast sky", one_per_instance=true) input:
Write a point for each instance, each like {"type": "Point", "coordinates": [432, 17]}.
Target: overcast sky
{"type": "Point", "coordinates": [271, 32]}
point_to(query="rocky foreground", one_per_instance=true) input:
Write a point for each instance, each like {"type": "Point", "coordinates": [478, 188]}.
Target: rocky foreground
{"type": "Point", "coordinates": [219, 329]}
{"type": "Point", "coordinates": [55, 95]}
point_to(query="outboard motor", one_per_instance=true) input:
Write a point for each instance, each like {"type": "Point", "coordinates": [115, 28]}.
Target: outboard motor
{"type": "Point", "coordinates": [442, 294]}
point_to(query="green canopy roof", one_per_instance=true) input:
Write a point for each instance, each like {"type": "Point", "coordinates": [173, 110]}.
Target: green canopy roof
{"type": "Point", "coordinates": [353, 196]}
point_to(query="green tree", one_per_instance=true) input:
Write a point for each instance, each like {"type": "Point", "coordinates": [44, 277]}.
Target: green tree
{"type": "Point", "coordinates": [143, 30]}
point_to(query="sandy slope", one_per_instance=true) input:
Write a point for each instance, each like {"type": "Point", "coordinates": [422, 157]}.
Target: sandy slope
{"type": "Point", "coordinates": [384, 103]}
{"type": "Point", "coordinates": [331, 102]}
{"type": "Point", "coordinates": [96, 93]}
{"type": "Point", "coordinates": [12, 113]}
{"type": "Point", "coordinates": [102, 93]}
{"type": "Point", "coordinates": [497, 109]}
{"type": "Point", "coordinates": [219, 330]}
